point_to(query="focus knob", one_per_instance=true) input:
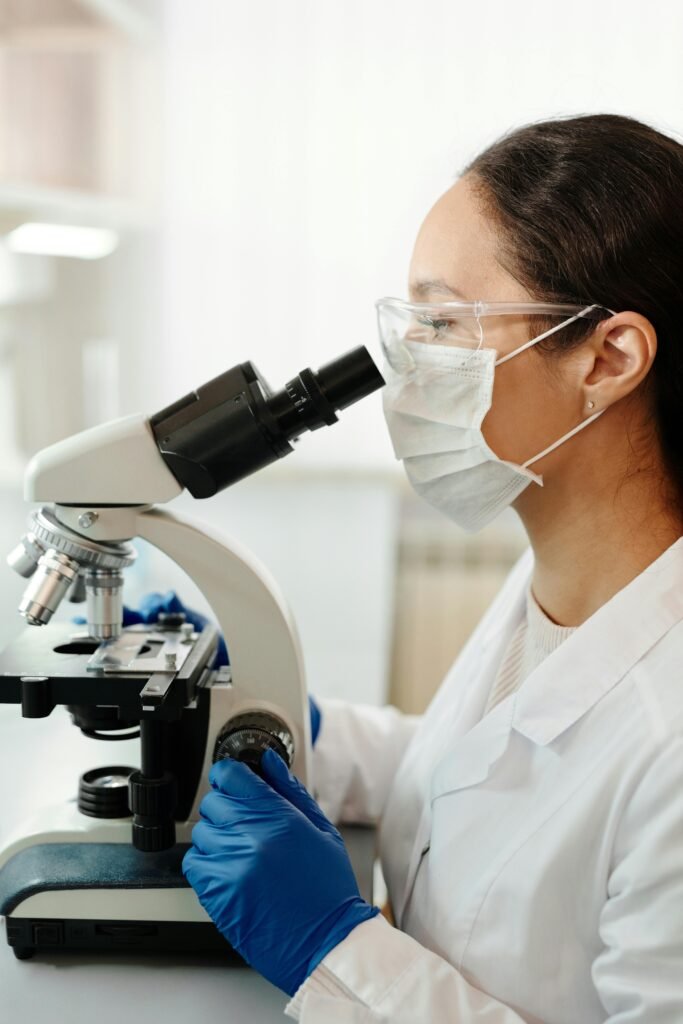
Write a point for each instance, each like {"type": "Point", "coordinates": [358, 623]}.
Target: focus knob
{"type": "Point", "coordinates": [246, 737]}
{"type": "Point", "coordinates": [103, 792]}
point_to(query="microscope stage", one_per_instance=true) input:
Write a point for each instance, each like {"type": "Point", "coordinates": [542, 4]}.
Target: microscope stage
{"type": "Point", "coordinates": [60, 664]}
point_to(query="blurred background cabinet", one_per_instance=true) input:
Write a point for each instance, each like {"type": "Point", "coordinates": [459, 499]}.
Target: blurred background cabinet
{"type": "Point", "coordinates": [80, 105]}
{"type": "Point", "coordinates": [76, 81]}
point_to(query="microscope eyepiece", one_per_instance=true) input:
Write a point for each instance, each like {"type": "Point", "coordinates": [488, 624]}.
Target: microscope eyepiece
{"type": "Point", "coordinates": [349, 378]}
{"type": "Point", "coordinates": [311, 400]}
{"type": "Point", "coordinates": [236, 424]}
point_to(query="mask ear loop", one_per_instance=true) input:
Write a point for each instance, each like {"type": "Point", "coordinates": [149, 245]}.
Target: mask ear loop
{"type": "Point", "coordinates": [586, 422]}
{"type": "Point", "coordinates": [561, 440]}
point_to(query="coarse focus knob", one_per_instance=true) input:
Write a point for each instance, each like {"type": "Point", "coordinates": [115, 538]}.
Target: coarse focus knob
{"type": "Point", "coordinates": [247, 736]}
{"type": "Point", "coordinates": [152, 797]}
{"type": "Point", "coordinates": [152, 802]}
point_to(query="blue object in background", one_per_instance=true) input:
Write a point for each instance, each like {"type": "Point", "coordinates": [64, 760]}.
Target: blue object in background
{"type": "Point", "coordinates": [316, 719]}
{"type": "Point", "coordinates": [272, 872]}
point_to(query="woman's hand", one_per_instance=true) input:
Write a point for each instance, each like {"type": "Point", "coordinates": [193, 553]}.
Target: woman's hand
{"type": "Point", "coordinates": [272, 871]}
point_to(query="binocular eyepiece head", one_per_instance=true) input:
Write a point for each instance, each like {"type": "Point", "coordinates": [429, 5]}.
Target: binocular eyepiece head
{"type": "Point", "coordinates": [236, 424]}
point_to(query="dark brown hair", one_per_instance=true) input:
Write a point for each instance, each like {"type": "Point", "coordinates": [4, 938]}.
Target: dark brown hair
{"type": "Point", "coordinates": [590, 210]}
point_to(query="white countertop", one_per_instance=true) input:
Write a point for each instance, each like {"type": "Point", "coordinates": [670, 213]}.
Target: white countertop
{"type": "Point", "coordinates": [118, 989]}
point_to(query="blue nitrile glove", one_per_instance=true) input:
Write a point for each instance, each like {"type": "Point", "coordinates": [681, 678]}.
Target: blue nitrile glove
{"type": "Point", "coordinates": [316, 719]}
{"type": "Point", "coordinates": [272, 872]}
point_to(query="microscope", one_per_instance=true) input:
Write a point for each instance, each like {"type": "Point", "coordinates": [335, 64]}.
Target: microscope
{"type": "Point", "coordinates": [104, 871]}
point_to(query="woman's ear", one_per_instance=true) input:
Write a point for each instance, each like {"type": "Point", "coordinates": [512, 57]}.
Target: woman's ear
{"type": "Point", "coordinates": [619, 354]}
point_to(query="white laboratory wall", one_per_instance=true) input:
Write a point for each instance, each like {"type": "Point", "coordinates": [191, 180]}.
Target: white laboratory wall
{"type": "Point", "coordinates": [305, 140]}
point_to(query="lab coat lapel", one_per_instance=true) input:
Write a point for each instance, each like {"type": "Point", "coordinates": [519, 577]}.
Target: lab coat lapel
{"type": "Point", "coordinates": [468, 762]}
{"type": "Point", "coordinates": [471, 760]}
{"type": "Point", "coordinates": [477, 741]}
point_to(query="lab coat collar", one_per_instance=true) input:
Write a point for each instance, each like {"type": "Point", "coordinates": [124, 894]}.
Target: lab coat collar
{"type": "Point", "coordinates": [471, 759]}
{"type": "Point", "coordinates": [590, 662]}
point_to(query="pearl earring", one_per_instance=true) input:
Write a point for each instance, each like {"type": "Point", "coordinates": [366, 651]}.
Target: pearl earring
{"type": "Point", "coordinates": [591, 405]}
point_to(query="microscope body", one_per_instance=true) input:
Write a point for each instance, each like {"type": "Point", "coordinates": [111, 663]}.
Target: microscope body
{"type": "Point", "coordinates": [78, 879]}
{"type": "Point", "coordinates": [106, 872]}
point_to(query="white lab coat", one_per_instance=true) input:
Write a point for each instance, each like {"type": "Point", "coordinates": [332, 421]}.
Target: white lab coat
{"type": "Point", "coordinates": [533, 856]}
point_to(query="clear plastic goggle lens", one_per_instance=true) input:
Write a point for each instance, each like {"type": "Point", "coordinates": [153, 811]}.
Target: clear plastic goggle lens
{"type": "Point", "coordinates": [403, 326]}
{"type": "Point", "coordinates": [429, 329]}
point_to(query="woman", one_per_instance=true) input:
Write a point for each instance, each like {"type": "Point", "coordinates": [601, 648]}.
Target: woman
{"type": "Point", "coordinates": [532, 819]}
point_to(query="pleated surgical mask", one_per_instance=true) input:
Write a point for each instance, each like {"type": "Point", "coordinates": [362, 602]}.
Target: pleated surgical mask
{"type": "Point", "coordinates": [435, 400]}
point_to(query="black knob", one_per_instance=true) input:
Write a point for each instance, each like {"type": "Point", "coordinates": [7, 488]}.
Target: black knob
{"type": "Point", "coordinates": [153, 838]}
{"type": "Point", "coordinates": [103, 792]}
{"type": "Point", "coordinates": [171, 620]}
{"type": "Point", "coordinates": [153, 802]}
{"type": "Point", "coordinates": [246, 737]}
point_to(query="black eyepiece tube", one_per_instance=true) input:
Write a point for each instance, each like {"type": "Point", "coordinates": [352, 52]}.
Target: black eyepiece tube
{"type": "Point", "coordinates": [235, 425]}
{"type": "Point", "coordinates": [311, 400]}
{"type": "Point", "coordinates": [348, 379]}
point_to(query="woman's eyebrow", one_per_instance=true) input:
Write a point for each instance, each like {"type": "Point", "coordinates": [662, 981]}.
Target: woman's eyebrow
{"type": "Point", "coordinates": [420, 289]}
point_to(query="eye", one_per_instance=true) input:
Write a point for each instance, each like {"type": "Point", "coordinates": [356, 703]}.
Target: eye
{"type": "Point", "coordinates": [437, 325]}
{"type": "Point", "coordinates": [433, 330]}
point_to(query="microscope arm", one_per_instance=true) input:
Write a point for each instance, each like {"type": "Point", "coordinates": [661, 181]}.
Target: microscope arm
{"type": "Point", "coordinates": [265, 655]}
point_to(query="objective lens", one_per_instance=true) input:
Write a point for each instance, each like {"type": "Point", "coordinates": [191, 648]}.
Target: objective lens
{"type": "Point", "coordinates": [49, 583]}
{"type": "Point", "coordinates": [104, 594]}
{"type": "Point", "coordinates": [25, 556]}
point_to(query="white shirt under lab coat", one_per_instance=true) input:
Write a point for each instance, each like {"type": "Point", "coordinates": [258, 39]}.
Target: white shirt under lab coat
{"type": "Point", "coordinates": [533, 856]}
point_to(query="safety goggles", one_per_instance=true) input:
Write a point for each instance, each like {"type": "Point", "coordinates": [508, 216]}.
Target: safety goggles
{"type": "Point", "coordinates": [468, 325]}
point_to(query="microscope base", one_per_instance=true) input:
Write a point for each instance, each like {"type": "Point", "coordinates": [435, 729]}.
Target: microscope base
{"type": "Point", "coordinates": [103, 896]}
{"type": "Point", "coordinates": [30, 936]}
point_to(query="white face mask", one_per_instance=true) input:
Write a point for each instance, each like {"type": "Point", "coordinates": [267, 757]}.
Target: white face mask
{"type": "Point", "coordinates": [434, 413]}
